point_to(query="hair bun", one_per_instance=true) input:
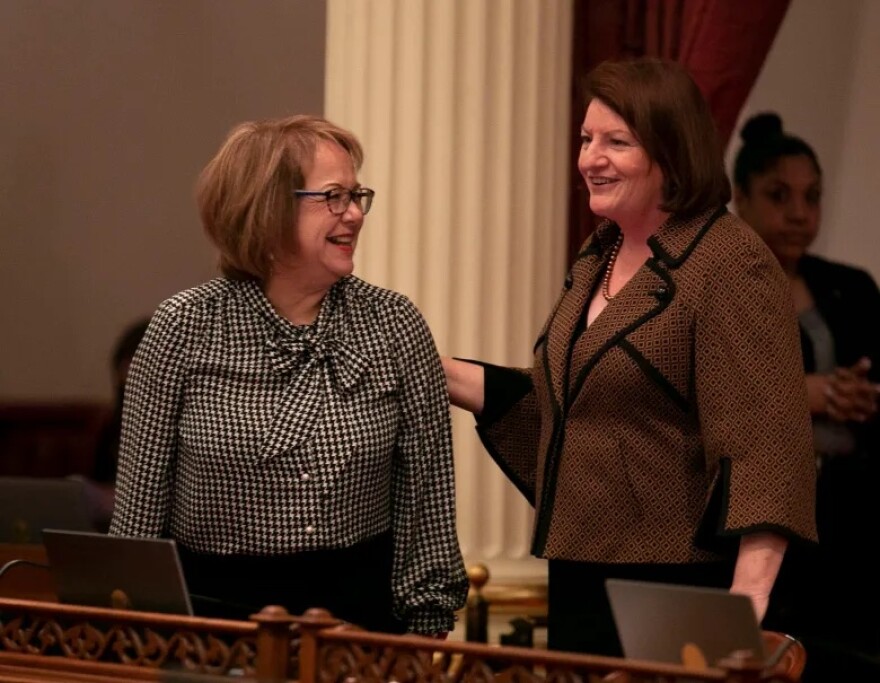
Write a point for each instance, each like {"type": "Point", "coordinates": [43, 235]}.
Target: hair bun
{"type": "Point", "coordinates": [761, 127]}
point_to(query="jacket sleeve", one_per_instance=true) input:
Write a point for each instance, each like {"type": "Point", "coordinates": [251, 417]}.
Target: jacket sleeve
{"type": "Point", "coordinates": [429, 579]}
{"type": "Point", "coordinates": [752, 401]}
{"type": "Point", "coordinates": [510, 425]}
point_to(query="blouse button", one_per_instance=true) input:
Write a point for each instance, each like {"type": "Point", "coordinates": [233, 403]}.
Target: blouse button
{"type": "Point", "coordinates": [310, 529]}
{"type": "Point", "coordinates": [305, 476]}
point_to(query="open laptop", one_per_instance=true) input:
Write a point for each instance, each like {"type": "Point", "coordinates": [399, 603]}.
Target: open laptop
{"type": "Point", "coordinates": [30, 504]}
{"type": "Point", "coordinates": [117, 571]}
{"type": "Point", "coordinates": [682, 624]}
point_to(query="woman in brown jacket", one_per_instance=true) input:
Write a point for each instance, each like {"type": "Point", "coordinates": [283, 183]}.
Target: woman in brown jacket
{"type": "Point", "coordinates": [663, 432]}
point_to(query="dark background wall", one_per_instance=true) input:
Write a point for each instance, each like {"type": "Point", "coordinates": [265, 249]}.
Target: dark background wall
{"type": "Point", "coordinates": [108, 110]}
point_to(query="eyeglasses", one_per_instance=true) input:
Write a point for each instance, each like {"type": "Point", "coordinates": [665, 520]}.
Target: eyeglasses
{"type": "Point", "coordinates": [338, 199]}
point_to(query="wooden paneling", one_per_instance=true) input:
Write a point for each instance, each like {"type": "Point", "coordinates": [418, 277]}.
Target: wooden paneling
{"type": "Point", "coordinates": [26, 580]}
{"type": "Point", "coordinates": [49, 439]}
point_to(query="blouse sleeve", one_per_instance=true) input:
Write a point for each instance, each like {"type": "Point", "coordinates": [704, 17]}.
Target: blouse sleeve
{"type": "Point", "coordinates": [148, 445]}
{"type": "Point", "coordinates": [429, 579]}
{"type": "Point", "coordinates": [752, 401]}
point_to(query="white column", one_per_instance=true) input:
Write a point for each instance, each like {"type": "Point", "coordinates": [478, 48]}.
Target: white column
{"type": "Point", "coordinates": [463, 110]}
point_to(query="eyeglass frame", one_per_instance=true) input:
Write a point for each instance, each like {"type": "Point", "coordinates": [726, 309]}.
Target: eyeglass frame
{"type": "Point", "coordinates": [356, 195]}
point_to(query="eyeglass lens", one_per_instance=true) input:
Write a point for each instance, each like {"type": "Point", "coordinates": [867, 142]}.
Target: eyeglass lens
{"type": "Point", "coordinates": [339, 200]}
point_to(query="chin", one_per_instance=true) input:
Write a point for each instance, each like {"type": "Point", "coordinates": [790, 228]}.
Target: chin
{"type": "Point", "coordinates": [343, 271]}
{"type": "Point", "coordinates": [602, 210]}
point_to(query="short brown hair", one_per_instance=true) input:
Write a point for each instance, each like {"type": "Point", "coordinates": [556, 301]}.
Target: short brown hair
{"type": "Point", "coordinates": [667, 113]}
{"type": "Point", "coordinates": [245, 194]}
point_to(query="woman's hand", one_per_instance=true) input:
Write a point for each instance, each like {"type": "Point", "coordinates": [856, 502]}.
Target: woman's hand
{"type": "Point", "coordinates": [465, 383]}
{"type": "Point", "coordinates": [849, 395]}
{"type": "Point", "coordinates": [757, 565]}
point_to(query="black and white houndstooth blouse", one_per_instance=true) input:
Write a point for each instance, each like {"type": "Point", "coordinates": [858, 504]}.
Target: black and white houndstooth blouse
{"type": "Point", "coordinates": [246, 434]}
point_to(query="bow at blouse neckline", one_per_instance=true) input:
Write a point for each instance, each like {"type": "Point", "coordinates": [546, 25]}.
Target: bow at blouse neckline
{"type": "Point", "coordinates": [315, 359]}
{"type": "Point", "coordinates": [304, 354]}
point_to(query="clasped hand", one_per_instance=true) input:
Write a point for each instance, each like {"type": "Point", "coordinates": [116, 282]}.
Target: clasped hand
{"type": "Point", "coordinates": [846, 394]}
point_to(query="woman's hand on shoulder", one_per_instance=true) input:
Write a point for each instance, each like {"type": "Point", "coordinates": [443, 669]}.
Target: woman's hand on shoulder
{"type": "Point", "coordinates": [465, 383]}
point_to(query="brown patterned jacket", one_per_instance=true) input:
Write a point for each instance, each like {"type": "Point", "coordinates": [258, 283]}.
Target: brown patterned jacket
{"type": "Point", "coordinates": [678, 419]}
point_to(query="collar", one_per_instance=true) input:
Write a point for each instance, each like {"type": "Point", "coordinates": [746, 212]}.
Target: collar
{"type": "Point", "coordinates": [671, 244]}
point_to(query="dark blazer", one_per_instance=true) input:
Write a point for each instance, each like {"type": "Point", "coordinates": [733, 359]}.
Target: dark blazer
{"type": "Point", "coordinates": [848, 300]}
{"type": "Point", "coordinates": [677, 418]}
{"type": "Point", "coordinates": [831, 591]}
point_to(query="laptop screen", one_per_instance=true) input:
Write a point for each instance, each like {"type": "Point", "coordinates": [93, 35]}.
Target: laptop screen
{"type": "Point", "coordinates": [116, 571]}
{"type": "Point", "coordinates": [29, 504]}
{"type": "Point", "coordinates": [667, 623]}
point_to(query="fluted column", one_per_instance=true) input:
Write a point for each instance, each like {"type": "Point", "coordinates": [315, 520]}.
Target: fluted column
{"type": "Point", "coordinates": [462, 107]}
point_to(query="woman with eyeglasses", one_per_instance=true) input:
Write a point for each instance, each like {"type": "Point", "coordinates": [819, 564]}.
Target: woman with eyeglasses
{"type": "Point", "coordinates": [287, 423]}
{"type": "Point", "coordinates": [662, 433]}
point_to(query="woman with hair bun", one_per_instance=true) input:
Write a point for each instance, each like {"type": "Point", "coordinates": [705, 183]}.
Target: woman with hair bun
{"type": "Point", "coordinates": [830, 592]}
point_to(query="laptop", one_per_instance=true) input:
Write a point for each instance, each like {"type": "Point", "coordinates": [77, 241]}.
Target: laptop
{"type": "Point", "coordinates": [116, 571]}
{"type": "Point", "coordinates": [682, 624]}
{"type": "Point", "coordinates": [30, 504]}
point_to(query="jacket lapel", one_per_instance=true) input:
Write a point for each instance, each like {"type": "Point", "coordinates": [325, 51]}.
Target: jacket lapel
{"type": "Point", "coordinates": [567, 320]}
{"type": "Point", "coordinates": [643, 297]}
{"type": "Point", "coordinates": [567, 343]}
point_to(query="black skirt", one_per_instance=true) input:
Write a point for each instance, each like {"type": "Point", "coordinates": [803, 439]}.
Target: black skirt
{"type": "Point", "coordinates": [353, 583]}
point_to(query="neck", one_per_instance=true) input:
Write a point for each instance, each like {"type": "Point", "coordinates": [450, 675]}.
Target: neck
{"type": "Point", "coordinates": [300, 305]}
{"type": "Point", "coordinates": [790, 268]}
{"type": "Point", "coordinates": [639, 229]}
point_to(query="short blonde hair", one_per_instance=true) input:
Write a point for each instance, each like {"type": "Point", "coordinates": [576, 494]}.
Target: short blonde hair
{"type": "Point", "coordinates": [245, 194]}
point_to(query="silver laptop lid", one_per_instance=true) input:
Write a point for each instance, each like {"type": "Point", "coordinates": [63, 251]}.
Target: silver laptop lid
{"type": "Point", "coordinates": [116, 571]}
{"type": "Point", "coordinates": [30, 504]}
{"type": "Point", "coordinates": [660, 622]}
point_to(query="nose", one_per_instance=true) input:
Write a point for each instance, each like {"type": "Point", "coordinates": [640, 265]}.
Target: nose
{"type": "Point", "coordinates": [591, 157]}
{"type": "Point", "coordinates": [798, 209]}
{"type": "Point", "coordinates": [353, 212]}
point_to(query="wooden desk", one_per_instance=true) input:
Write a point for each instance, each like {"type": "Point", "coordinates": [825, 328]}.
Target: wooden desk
{"type": "Point", "coordinates": [25, 581]}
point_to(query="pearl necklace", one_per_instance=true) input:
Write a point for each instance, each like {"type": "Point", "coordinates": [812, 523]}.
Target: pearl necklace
{"type": "Point", "coordinates": [606, 279]}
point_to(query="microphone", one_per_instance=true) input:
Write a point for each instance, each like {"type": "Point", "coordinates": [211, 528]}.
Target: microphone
{"type": "Point", "coordinates": [13, 563]}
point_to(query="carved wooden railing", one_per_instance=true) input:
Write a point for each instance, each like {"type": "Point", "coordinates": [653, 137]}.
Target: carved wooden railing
{"type": "Point", "coordinates": [54, 643]}
{"type": "Point", "coordinates": [141, 645]}
{"type": "Point", "coordinates": [525, 605]}
{"type": "Point", "coordinates": [344, 655]}
{"type": "Point", "coordinates": [529, 603]}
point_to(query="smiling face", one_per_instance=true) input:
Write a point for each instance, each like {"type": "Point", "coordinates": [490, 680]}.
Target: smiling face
{"type": "Point", "coordinates": [784, 206]}
{"type": "Point", "coordinates": [320, 250]}
{"type": "Point", "coordinates": [624, 185]}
